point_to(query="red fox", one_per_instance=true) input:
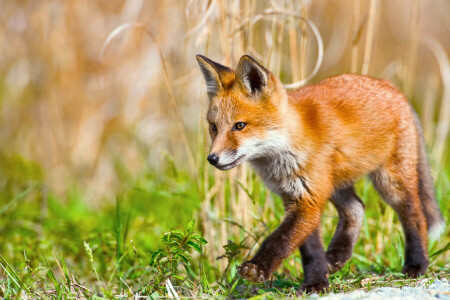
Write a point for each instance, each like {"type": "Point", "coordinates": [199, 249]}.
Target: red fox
{"type": "Point", "coordinates": [311, 145]}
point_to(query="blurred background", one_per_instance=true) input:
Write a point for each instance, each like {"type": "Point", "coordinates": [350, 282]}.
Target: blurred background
{"type": "Point", "coordinates": [76, 110]}
{"type": "Point", "coordinates": [103, 100]}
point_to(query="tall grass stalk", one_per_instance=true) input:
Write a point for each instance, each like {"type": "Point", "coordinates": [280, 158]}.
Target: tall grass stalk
{"type": "Point", "coordinates": [443, 125]}
{"type": "Point", "coordinates": [356, 34]}
{"type": "Point", "coordinates": [88, 251]}
{"type": "Point", "coordinates": [368, 46]}
{"type": "Point", "coordinates": [410, 58]}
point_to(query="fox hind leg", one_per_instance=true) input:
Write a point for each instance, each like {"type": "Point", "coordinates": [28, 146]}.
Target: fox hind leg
{"type": "Point", "coordinates": [398, 186]}
{"type": "Point", "coordinates": [351, 213]}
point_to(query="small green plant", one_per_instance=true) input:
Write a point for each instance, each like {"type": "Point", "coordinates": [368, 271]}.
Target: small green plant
{"type": "Point", "coordinates": [88, 251]}
{"type": "Point", "coordinates": [175, 254]}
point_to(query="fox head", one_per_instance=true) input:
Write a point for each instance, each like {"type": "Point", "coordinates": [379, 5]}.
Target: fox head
{"type": "Point", "coordinates": [245, 113]}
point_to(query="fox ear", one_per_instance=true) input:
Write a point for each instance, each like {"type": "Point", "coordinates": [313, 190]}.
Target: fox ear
{"type": "Point", "coordinates": [212, 72]}
{"type": "Point", "coordinates": [251, 75]}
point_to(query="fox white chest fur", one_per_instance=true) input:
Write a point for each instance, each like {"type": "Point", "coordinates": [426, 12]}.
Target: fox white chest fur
{"type": "Point", "coordinates": [277, 163]}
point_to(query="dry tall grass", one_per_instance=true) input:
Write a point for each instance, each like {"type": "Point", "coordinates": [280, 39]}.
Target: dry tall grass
{"type": "Point", "coordinates": [81, 92]}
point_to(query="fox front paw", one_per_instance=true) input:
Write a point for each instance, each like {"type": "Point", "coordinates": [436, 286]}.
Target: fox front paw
{"type": "Point", "coordinates": [252, 272]}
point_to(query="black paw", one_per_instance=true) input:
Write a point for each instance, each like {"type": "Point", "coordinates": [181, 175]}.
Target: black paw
{"type": "Point", "coordinates": [414, 271]}
{"type": "Point", "coordinates": [309, 288]}
{"type": "Point", "coordinates": [252, 272]}
{"type": "Point", "coordinates": [336, 259]}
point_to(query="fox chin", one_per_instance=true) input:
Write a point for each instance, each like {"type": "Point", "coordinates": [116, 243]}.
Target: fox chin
{"type": "Point", "coordinates": [309, 146]}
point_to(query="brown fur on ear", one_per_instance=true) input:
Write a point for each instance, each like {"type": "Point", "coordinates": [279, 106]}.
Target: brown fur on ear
{"type": "Point", "coordinates": [251, 76]}
{"type": "Point", "coordinates": [217, 76]}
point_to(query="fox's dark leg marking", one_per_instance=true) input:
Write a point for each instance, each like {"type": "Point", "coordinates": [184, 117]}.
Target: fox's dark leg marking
{"type": "Point", "coordinates": [416, 261]}
{"type": "Point", "coordinates": [351, 213]}
{"type": "Point", "coordinates": [272, 251]}
{"type": "Point", "coordinates": [403, 196]}
{"type": "Point", "coordinates": [300, 221]}
{"type": "Point", "coordinates": [314, 265]}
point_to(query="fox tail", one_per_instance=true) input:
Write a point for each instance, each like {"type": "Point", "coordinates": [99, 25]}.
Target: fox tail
{"type": "Point", "coordinates": [435, 221]}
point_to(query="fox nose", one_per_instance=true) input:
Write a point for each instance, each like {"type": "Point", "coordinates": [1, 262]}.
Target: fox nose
{"type": "Point", "coordinates": [213, 159]}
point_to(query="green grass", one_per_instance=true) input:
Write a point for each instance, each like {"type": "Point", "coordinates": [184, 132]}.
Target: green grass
{"type": "Point", "coordinates": [61, 246]}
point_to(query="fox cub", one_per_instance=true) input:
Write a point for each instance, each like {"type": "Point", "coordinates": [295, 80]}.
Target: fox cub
{"type": "Point", "coordinates": [311, 145]}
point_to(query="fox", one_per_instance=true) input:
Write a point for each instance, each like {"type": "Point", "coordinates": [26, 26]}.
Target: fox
{"type": "Point", "coordinates": [311, 145]}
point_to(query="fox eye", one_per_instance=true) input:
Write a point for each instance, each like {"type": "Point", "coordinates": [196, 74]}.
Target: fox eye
{"type": "Point", "coordinates": [213, 127]}
{"type": "Point", "coordinates": [239, 125]}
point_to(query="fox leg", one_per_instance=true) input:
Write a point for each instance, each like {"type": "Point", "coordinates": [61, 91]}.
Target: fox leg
{"type": "Point", "coordinates": [301, 220]}
{"type": "Point", "coordinates": [314, 264]}
{"type": "Point", "coordinates": [397, 183]}
{"type": "Point", "coordinates": [277, 246]}
{"type": "Point", "coordinates": [351, 213]}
